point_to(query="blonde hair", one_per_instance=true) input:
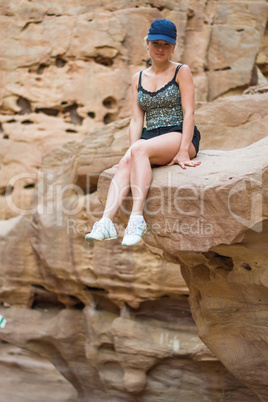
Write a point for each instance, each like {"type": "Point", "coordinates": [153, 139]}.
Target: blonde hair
{"type": "Point", "coordinates": [146, 40]}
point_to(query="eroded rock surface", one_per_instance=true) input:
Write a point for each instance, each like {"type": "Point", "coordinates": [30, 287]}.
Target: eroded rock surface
{"type": "Point", "coordinates": [124, 311]}
{"type": "Point", "coordinates": [58, 59]}
{"type": "Point", "coordinates": [213, 221]}
{"type": "Point", "coordinates": [235, 121]}
{"type": "Point", "coordinates": [116, 322]}
{"type": "Point", "coordinates": [28, 377]}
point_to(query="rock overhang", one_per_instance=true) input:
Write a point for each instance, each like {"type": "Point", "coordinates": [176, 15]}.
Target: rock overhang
{"type": "Point", "coordinates": [199, 208]}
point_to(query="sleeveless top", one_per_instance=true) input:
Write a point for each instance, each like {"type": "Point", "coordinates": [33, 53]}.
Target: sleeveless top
{"type": "Point", "coordinates": [163, 107]}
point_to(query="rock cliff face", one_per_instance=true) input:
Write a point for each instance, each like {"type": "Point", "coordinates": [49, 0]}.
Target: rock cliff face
{"type": "Point", "coordinates": [27, 376]}
{"type": "Point", "coordinates": [116, 322]}
{"type": "Point", "coordinates": [213, 222]}
{"type": "Point", "coordinates": [124, 311]}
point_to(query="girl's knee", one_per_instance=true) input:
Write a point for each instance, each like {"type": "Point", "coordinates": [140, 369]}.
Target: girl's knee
{"type": "Point", "coordinates": [124, 163]}
{"type": "Point", "coordinates": [138, 149]}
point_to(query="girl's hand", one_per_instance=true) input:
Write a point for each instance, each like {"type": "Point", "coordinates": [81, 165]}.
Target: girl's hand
{"type": "Point", "coordinates": [183, 159]}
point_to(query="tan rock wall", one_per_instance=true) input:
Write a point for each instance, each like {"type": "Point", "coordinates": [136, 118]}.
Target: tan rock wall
{"type": "Point", "coordinates": [55, 56]}
{"type": "Point", "coordinates": [27, 376]}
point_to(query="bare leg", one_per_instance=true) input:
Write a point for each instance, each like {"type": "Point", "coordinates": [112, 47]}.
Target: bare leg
{"type": "Point", "coordinates": [119, 188]}
{"type": "Point", "coordinates": [159, 151]}
{"type": "Point", "coordinates": [135, 171]}
{"type": "Point", "coordinates": [140, 176]}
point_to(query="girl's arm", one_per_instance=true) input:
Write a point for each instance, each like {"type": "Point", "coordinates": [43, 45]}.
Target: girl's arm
{"type": "Point", "coordinates": [185, 81]}
{"type": "Point", "coordinates": [187, 100]}
{"type": "Point", "coordinates": [137, 114]}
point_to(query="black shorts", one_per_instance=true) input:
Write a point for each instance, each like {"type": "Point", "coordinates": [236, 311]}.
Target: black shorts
{"type": "Point", "coordinates": [147, 134]}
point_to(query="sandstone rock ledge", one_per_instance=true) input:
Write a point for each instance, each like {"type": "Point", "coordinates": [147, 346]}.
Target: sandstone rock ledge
{"type": "Point", "coordinates": [116, 321]}
{"type": "Point", "coordinates": [212, 220]}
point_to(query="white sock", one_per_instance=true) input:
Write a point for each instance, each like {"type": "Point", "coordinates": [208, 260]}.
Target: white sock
{"type": "Point", "coordinates": [106, 220]}
{"type": "Point", "coordinates": [138, 218]}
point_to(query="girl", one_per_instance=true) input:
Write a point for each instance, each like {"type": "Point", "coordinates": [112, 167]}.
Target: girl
{"type": "Point", "coordinates": [164, 93]}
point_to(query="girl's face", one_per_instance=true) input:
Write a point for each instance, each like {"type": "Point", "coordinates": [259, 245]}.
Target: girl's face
{"type": "Point", "coordinates": [160, 49]}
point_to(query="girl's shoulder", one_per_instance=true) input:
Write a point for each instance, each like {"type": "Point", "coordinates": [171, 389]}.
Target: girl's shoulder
{"type": "Point", "coordinates": [182, 70]}
{"type": "Point", "coordinates": [138, 73]}
{"type": "Point", "coordinates": [182, 66]}
{"type": "Point", "coordinates": [145, 72]}
{"type": "Point", "coordinates": [137, 76]}
{"type": "Point", "coordinates": [184, 76]}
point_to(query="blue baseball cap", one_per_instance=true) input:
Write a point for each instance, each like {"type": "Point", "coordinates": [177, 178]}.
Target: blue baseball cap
{"type": "Point", "coordinates": [163, 29]}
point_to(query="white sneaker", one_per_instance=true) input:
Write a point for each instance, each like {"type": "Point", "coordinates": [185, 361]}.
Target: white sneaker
{"type": "Point", "coordinates": [134, 230]}
{"type": "Point", "coordinates": [102, 230]}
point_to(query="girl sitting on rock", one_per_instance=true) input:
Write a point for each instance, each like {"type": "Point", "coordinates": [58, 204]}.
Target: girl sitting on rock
{"type": "Point", "coordinates": [164, 94]}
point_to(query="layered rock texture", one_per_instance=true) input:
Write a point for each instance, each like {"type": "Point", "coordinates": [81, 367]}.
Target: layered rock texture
{"type": "Point", "coordinates": [30, 377]}
{"type": "Point", "coordinates": [213, 222]}
{"type": "Point", "coordinates": [116, 322]}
